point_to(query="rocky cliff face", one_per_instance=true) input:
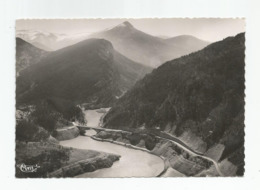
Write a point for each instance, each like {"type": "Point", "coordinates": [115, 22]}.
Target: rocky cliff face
{"type": "Point", "coordinates": [198, 98]}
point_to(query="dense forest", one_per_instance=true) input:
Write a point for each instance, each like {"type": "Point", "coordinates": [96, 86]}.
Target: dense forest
{"type": "Point", "coordinates": [202, 92]}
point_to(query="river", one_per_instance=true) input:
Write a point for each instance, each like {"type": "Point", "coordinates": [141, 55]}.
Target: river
{"type": "Point", "coordinates": [133, 163]}
{"type": "Point", "coordinates": [93, 117]}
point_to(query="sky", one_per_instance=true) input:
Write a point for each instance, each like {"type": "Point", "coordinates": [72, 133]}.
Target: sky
{"type": "Point", "coordinates": [213, 29]}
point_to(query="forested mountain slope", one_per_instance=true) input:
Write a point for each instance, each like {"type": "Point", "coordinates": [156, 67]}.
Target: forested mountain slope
{"type": "Point", "coordinates": [27, 55]}
{"type": "Point", "coordinates": [201, 93]}
{"type": "Point", "coordinates": [88, 72]}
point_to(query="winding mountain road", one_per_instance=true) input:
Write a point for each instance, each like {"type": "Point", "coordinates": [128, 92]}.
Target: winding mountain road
{"type": "Point", "coordinates": [178, 142]}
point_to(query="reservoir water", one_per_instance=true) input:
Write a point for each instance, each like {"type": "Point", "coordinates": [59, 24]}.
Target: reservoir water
{"type": "Point", "coordinates": [93, 116]}
{"type": "Point", "coordinates": [133, 163]}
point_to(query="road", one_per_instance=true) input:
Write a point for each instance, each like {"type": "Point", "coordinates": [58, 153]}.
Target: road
{"type": "Point", "coordinates": [66, 128]}
{"type": "Point", "coordinates": [174, 140]}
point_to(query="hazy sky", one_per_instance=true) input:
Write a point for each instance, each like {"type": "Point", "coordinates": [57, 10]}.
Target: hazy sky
{"type": "Point", "coordinates": [206, 29]}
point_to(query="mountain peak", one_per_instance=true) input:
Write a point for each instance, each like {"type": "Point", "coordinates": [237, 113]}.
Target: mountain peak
{"type": "Point", "coordinates": [126, 24]}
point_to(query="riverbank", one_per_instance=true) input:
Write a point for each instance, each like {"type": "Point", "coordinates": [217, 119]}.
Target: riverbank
{"type": "Point", "coordinates": [178, 158]}
{"type": "Point", "coordinates": [166, 165]}
{"type": "Point", "coordinates": [66, 133]}
{"type": "Point", "coordinates": [98, 161]}
{"type": "Point", "coordinates": [132, 163]}
{"type": "Point", "coordinates": [55, 160]}
{"type": "Point", "coordinates": [184, 161]}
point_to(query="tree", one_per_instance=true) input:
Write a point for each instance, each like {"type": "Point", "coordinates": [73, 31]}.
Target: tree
{"type": "Point", "coordinates": [25, 130]}
{"type": "Point", "coordinates": [45, 117]}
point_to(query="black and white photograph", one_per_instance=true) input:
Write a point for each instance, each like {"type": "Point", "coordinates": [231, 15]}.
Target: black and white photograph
{"type": "Point", "coordinates": [120, 98]}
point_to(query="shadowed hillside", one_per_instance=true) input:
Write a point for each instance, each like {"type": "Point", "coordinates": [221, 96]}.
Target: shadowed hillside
{"type": "Point", "coordinates": [88, 72]}
{"type": "Point", "coordinates": [201, 93]}
{"type": "Point", "coordinates": [27, 55]}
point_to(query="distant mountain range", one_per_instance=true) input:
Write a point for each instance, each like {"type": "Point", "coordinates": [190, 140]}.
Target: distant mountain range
{"type": "Point", "coordinates": [201, 94]}
{"type": "Point", "coordinates": [27, 55]}
{"type": "Point", "coordinates": [90, 71]}
{"type": "Point", "coordinates": [187, 42]}
{"type": "Point", "coordinates": [147, 49]}
{"type": "Point", "coordinates": [136, 45]}
{"type": "Point", "coordinates": [49, 41]}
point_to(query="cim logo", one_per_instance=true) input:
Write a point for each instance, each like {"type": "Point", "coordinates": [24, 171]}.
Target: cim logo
{"type": "Point", "coordinates": [28, 168]}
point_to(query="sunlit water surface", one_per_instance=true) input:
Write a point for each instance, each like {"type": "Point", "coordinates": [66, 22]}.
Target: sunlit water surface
{"type": "Point", "coordinates": [133, 163]}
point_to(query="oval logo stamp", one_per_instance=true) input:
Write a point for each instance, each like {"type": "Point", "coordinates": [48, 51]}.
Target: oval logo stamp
{"type": "Point", "coordinates": [28, 168]}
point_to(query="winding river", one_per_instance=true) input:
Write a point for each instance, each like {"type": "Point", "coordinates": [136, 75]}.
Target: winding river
{"type": "Point", "coordinates": [133, 163]}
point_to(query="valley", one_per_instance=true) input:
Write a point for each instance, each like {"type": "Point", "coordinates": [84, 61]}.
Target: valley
{"type": "Point", "coordinates": [206, 122]}
{"type": "Point", "coordinates": [124, 103]}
